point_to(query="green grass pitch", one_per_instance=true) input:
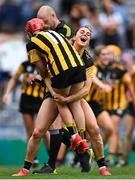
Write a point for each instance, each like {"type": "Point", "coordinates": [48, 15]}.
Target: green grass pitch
{"type": "Point", "coordinates": [67, 172]}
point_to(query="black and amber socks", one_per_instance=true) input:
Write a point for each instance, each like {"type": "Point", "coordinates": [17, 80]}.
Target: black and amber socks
{"type": "Point", "coordinates": [71, 128]}
{"type": "Point", "coordinates": [82, 133]}
{"type": "Point", "coordinates": [27, 165]}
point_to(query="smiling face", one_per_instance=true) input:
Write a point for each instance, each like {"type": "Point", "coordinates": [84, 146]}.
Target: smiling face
{"type": "Point", "coordinates": [82, 37]}
{"type": "Point", "coordinates": [104, 56]}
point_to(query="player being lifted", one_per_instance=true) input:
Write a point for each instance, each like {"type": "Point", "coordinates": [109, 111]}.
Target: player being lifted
{"type": "Point", "coordinates": [67, 72]}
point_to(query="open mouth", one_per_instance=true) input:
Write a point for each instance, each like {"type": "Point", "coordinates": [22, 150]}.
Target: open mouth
{"type": "Point", "coordinates": [83, 39]}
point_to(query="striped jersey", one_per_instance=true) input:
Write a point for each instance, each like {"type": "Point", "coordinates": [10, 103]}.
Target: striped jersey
{"type": "Point", "coordinates": [27, 70]}
{"type": "Point", "coordinates": [55, 50]}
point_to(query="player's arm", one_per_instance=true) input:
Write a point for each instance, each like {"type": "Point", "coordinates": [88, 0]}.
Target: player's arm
{"type": "Point", "coordinates": [48, 85]}
{"type": "Point", "coordinates": [42, 70]}
{"type": "Point", "coordinates": [97, 81]}
{"type": "Point", "coordinates": [41, 67]}
{"type": "Point", "coordinates": [103, 86]}
{"type": "Point", "coordinates": [90, 70]}
{"type": "Point", "coordinates": [11, 84]}
{"type": "Point", "coordinates": [80, 94]}
{"type": "Point", "coordinates": [90, 73]}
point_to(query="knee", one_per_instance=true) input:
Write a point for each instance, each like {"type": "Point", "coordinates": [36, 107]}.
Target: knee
{"type": "Point", "coordinates": [37, 133]}
{"type": "Point", "coordinates": [95, 131]}
{"type": "Point", "coordinates": [109, 131]}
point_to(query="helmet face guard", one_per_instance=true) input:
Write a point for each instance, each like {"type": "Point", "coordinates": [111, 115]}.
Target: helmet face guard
{"type": "Point", "coordinates": [34, 25]}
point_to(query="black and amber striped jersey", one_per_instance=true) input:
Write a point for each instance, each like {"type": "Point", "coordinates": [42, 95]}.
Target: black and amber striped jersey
{"type": "Point", "coordinates": [116, 99]}
{"type": "Point", "coordinates": [64, 29]}
{"type": "Point", "coordinates": [28, 70]}
{"type": "Point", "coordinates": [89, 65]}
{"type": "Point", "coordinates": [55, 51]}
{"type": "Point", "coordinates": [95, 93]}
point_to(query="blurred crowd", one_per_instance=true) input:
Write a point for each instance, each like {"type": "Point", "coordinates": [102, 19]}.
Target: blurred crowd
{"type": "Point", "coordinates": [108, 18]}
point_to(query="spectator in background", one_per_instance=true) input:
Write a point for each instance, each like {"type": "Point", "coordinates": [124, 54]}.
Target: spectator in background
{"type": "Point", "coordinates": [75, 16]}
{"type": "Point", "coordinates": [111, 23]}
{"type": "Point", "coordinates": [29, 9]}
{"type": "Point", "coordinates": [10, 14]}
{"type": "Point", "coordinates": [66, 6]}
{"type": "Point", "coordinates": [131, 36]}
{"type": "Point", "coordinates": [119, 6]}
{"type": "Point", "coordinates": [90, 18]}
